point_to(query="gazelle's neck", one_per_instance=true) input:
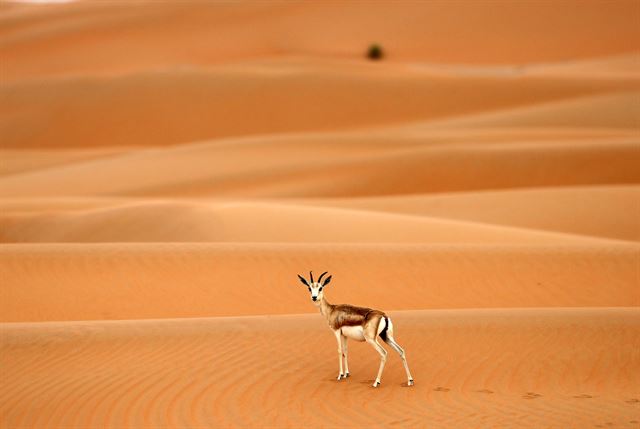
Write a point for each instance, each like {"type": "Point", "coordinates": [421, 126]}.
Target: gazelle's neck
{"type": "Point", "coordinates": [325, 307]}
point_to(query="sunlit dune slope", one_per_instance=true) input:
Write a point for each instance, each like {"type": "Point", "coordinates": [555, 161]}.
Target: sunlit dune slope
{"type": "Point", "coordinates": [501, 368]}
{"type": "Point", "coordinates": [123, 281]}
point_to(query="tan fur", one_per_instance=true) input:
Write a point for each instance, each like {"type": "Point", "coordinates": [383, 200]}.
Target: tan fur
{"type": "Point", "coordinates": [348, 315]}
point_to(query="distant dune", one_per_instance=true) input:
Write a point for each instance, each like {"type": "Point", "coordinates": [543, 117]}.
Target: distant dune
{"type": "Point", "coordinates": [90, 37]}
{"type": "Point", "coordinates": [167, 168]}
{"type": "Point", "coordinates": [97, 111]}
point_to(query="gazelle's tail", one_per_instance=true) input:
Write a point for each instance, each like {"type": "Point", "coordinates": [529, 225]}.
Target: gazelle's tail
{"type": "Point", "coordinates": [383, 333]}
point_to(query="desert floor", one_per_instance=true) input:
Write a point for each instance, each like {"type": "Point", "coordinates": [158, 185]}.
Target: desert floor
{"type": "Point", "coordinates": [167, 168]}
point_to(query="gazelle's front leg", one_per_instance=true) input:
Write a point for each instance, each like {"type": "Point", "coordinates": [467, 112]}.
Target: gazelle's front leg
{"type": "Point", "coordinates": [339, 339]}
{"type": "Point", "coordinates": [345, 354]}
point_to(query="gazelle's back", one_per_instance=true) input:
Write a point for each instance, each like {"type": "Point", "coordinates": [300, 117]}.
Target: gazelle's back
{"type": "Point", "coordinates": [350, 315]}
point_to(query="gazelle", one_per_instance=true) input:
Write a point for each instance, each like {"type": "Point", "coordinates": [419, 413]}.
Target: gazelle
{"type": "Point", "coordinates": [357, 323]}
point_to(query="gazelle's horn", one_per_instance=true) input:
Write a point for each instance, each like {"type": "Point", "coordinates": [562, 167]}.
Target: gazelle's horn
{"type": "Point", "coordinates": [321, 276]}
{"type": "Point", "coordinates": [311, 276]}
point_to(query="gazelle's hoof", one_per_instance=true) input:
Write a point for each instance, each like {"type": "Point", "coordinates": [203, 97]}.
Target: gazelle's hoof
{"type": "Point", "coordinates": [376, 383]}
{"type": "Point", "coordinates": [341, 376]}
{"type": "Point", "coordinates": [346, 375]}
{"type": "Point", "coordinates": [410, 382]}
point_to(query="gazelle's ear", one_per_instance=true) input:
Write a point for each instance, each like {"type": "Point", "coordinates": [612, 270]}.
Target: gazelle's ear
{"type": "Point", "coordinates": [326, 282]}
{"type": "Point", "coordinates": [303, 280]}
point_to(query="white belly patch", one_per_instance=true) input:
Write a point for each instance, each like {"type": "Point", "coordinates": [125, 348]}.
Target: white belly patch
{"type": "Point", "coordinates": [353, 332]}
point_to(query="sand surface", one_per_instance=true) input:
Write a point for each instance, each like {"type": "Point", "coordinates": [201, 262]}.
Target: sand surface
{"type": "Point", "coordinates": [167, 168]}
{"type": "Point", "coordinates": [479, 368]}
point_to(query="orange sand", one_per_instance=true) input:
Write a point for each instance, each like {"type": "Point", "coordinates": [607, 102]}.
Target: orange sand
{"type": "Point", "coordinates": [563, 367]}
{"type": "Point", "coordinates": [167, 168]}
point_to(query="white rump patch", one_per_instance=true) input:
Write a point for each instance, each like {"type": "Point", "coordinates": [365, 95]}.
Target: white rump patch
{"type": "Point", "coordinates": [382, 325]}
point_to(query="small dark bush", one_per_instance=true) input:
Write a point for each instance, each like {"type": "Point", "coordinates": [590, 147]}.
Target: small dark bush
{"type": "Point", "coordinates": [375, 52]}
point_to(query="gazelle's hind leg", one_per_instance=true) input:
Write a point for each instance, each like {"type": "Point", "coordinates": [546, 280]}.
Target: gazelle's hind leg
{"type": "Point", "coordinates": [394, 345]}
{"type": "Point", "coordinates": [371, 336]}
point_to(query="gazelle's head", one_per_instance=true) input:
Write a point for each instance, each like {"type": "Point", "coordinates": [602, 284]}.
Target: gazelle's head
{"type": "Point", "coordinates": [315, 288]}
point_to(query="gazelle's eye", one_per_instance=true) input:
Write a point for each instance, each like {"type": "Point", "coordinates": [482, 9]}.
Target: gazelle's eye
{"type": "Point", "coordinates": [309, 289]}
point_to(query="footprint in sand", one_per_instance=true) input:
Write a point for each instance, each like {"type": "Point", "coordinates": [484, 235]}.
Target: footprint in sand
{"type": "Point", "coordinates": [633, 401]}
{"type": "Point", "coordinates": [441, 389]}
{"type": "Point", "coordinates": [583, 396]}
{"type": "Point", "coordinates": [635, 422]}
{"type": "Point", "coordinates": [531, 395]}
{"type": "Point", "coordinates": [487, 391]}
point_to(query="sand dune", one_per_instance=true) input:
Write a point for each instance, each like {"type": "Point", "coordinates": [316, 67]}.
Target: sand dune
{"type": "Point", "coordinates": [259, 222]}
{"type": "Point", "coordinates": [115, 37]}
{"type": "Point", "coordinates": [598, 211]}
{"type": "Point", "coordinates": [167, 168]}
{"type": "Point", "coordinates": [96, 112]}
{"type": "Point", "coordinates": [498, 368]}
{"type": "Point", "coordinates": [326, 144]}
{"type": "Point", "coordinates": [155, 280]}
{"type": "Point", "coordinates": [602, 211]}
{"type": "Point", "coordinates": [254, 169]}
